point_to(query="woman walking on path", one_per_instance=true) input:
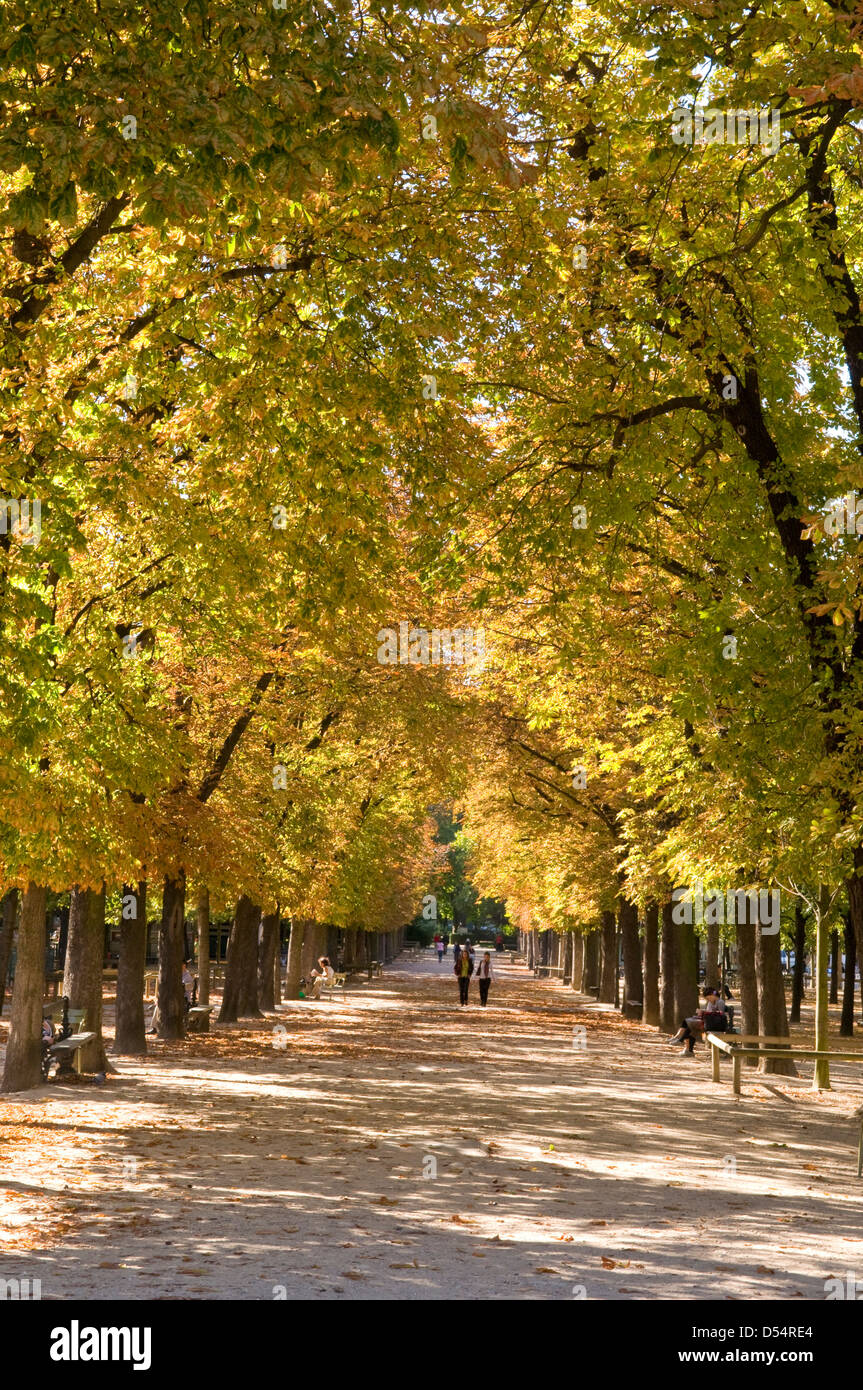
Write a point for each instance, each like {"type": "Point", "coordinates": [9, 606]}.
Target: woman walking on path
{"type": "Point", "coordinates": [438, 945]}
{"type": "Point", "coordinates": [463, 969]}
{"type": "Point", "coordinates": [485, 974]}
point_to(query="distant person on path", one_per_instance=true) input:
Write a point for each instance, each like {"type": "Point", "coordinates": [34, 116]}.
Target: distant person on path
{"type": "Point", "coordinates": [463, 969]}
{"type": "Point", "coordinates": [326, 974]}
{"type": "Point", "coordinates": [188, 984]}
{"type": "Point", "coordinates": [485, 974]}
{"type": "Point", "coordinates": [469, 948]}
{"type": "Point", "coordinates": [711, 1019]}
{"type": "Point", "coordinates": [445, 941]}
{"type": "Point", "coordinates": [456, 952]}
{"type": "Point", "coordinates": [498, 941]}
{"type": "Point", "coordinates": [439, 946]}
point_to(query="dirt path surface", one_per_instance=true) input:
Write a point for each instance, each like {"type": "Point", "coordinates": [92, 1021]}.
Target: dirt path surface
{"type": "Point", "coordinates": [399, 1147]}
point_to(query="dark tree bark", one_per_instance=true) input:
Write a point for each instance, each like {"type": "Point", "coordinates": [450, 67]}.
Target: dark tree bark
{"type": "Point", "coordinates": [651, 965]}
{"type": "Point", "coordinates": [82, 977]}
{"type": "Point", "coordinates": [846, 1026]}
{"type": "Point", "coordinates": [591, 962]}
{"type": "Point", "coordinates": [855, 900]}
{"type": "Point", "coordinates": [745, 935]}
{"type": "Point", "coordinates": [566, 945]}
{"type": "Point", "coordinates": [203, 917]}
{"type": "Point", "coordinates": [531, 950]}
{"type": "Point", "coordinates": [277, 963]}
{"type": "Point", "coordinates": [169, 1019]}
{"type": "Point", "coordinates": [797, 989]}
{"type": "Point", "coordinates": [772, 1013]}
{"type": "Point", "coordinates": [313, 947]}
{"type": "Point", "coordinates": [608, 971]}
{"type": "Point", "coordinates": [267, 955]}
{"type": "Point", "coordinates": [578, 941]}
{"type": "Point", "coordinates": [23, 1066]}
{"type": "Point", "coordinates": [834, 966]}
{"type": "Point", "coordinates": [668, 1020]}
{"type": "Point", "coordinates": [686, 970]}
{"type": "Point", "coordinates": [8, 916]}
{"type": "Point", "coordinates": [130, 1032]}
{"type": "Point", "coordinates": [633, 982]}
{"type": "Point", "coordinates": [711, 974]}
{"type": "Point", "coordinates": [294, 969]}
{"type": "Point", "coordinates": [240, 997]}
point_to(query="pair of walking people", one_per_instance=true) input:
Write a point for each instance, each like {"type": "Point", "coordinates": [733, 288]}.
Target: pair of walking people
{"type": "Point", "coordinates": [464, 969]}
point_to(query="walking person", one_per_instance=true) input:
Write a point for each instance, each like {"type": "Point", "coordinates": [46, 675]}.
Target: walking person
{"type": "Point", "coordinates": [463, 969]}
{"type": "Point", "coordinates": [445, 941]}
{"type": "Point", "coordinates": [438, 945]}
{"type": "Point", "coordinates": [485, 974]}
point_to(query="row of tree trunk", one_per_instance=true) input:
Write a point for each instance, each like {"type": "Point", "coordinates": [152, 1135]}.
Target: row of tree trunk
{"type": "Point", "coordinates": [660, 970]}
{"type": "Point", "coordinates": [252, 972]}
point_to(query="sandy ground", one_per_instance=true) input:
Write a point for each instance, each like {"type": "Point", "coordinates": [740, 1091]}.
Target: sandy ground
{"type": "Point", "coordinates": [397, 1147]}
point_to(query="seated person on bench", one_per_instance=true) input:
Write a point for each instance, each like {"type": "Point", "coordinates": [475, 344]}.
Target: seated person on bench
{"type": "Point", "coordinates": [325, 975]}
{"type": "Point", "coordinates": [711, 1019]}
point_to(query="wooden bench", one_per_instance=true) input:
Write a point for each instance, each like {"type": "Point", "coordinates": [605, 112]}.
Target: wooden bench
{"type": "Point", "coordinates": [68, 1050]}
{"type": "Point", "coordinates": [198, 1018]}
{"type": "Point", "coordinates": [549, 969]}
{"type": "Point", "coordinates": [338, 982]}
{"type": "Point", "coordinates": [756, 1045]}
{"type": "Point", "coordinates": [376, 968]}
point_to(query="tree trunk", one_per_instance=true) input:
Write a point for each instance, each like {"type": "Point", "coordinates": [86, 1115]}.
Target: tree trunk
{"type": "Point", "coordinates": [130, 1030]}
{"type": "Point", "coordinates": [821, 1077]}
{"type": "Point", "coordinates": [169, 1020]}
{"type": "Point", "coordinates": [745, 936]}
{"type": "Point", "coordinates": [82, 978]}
{"type": "Point", "coordinates": [686, 970]}
{"type": "Point", "coordinates": [23, 1067]}
{"type": "Point", "coordinates": [531, 949]}
{"type": "Point", "coordinates": [591, 962]}
{"type": "Point", "coordinates": [846, 1027]}
{"type": "Point", "coordinates": [772, 1013]}
{"type": "Point", "coordinates": [608, 971]}
{"type": "Point", "coordinates": [294, 969]}
{"type": "Point", "coordinates": [711, 974]}
{"type": "Point", "coordinates": [240, 997]}
{"type": "Point", "coordinates": [834, 966]}
{"type": "Point", "coordinates": [566, 944]}
{"type": "Point", "coordinates": [267, 957]}
{"type": "Point", "coordinates": [8, 916]}
{"type": "Point", "coordinates": [855, 901]}
{"type": "Point", "coordinates": [203, 916]}
{"type": "Point", "coordinates": [277, 962]}
{"type": "Point", "coordinates": [668, 1019]}
{"type": "Point", "coordinates": [651, 965]}
{"type": "Point", "coordinates": [797, 989]}
{"type": "Point", "coordinates": [633, 981]}
{"type": "Point", "coordinates": [578, 940]}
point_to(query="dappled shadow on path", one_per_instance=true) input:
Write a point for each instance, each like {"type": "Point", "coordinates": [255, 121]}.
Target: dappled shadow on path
{"type": "Point", "coordinates": [399, 1147]}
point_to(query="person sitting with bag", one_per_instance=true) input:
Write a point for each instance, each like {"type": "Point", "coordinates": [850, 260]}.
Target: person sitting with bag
{"type": "Point", "coordinates": [711, 1019]}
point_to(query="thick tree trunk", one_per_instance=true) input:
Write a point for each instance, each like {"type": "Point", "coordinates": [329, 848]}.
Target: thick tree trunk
{"type": "Point", "coordinates": [685, 970]}
{"type": "Point", "coordinates": [267, 956]}
{"type": "Point", "coordinates": [203, 918]}
{"type": "Point", "coordinates": [834, 966]}
{"type": "Point", "coordinates": [294, 967]}
{"type": "Point", "coordinates": [82, 978]}
{"type": "Point", "coordinates": [240, 997]}
{"type": "Point", "coordinates": [745, 936]}
{"type": "Point", "coordinates": [846, 1026]}
{"type": "Point", "coordinates": [668, 1020]}
{"type": "Point", "coordinates": [578, 961]}
{"type": "Point", "coordinates": [277, 962]}
{"type": "Point", "coordinates": [566, 945]}
{"type": "Point", "coordinates": [633, 981]}
{"type": "Point", "coordinates": [23, 1067]}
{"type": "Point", "coordinates": [821, 1077]}
{"type": "Point", "coordinates": [711, 974]}
{"type": "Point", "coordinates": [608, 971]}
{"type": "Point", "coordinates": [772, 1013]}
{"type": "Point", "coordinates": [531, 950]}
{"type": "Point", "coordinates": [8, 916]}
{"type": "Point", "coordinates": [169, 1019]}
{"type": "Point", "coordinates": [651, 965]}
{"type": "Point", "coordinates": [855, 901]}
{"type": "Point", "coordinates": [797, 989]}
{"type": "Point", "coordinates": [591, 962]}
{"type": "Point", "coordinates": [130, 1031]}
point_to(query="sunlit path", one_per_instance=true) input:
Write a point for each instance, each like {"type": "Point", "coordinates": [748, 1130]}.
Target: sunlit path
{"type": "Point", "coordinates": [399, 1147]}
